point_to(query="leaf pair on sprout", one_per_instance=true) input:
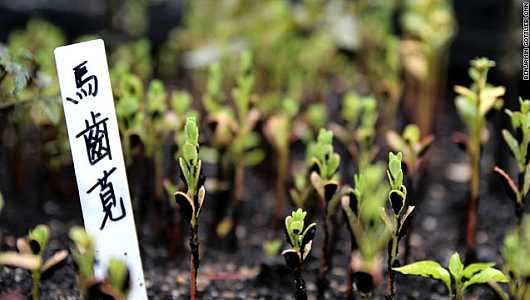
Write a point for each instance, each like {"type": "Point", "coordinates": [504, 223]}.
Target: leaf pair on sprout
{"type": "Point", "coordinates": [456, 275]}
{"type": "Point", "coordinates": [30, 256]}
{"type": "Point", "coordinates": [190, 173]}
{"type": "Point", "coordinates": [300, 238]}
{"type": "Point", "coordinates": [411, 145]}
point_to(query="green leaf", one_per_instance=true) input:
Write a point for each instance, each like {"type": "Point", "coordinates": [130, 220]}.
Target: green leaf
{"type": "Point", "coordinates": [455, 266]}
{"type": "Point", "coordinates": [511, 142]}
{"type": "Point", "coordinates": [472, 269]}
{"type": "Point", "coordinates": [253, 157]}
{"type": "Point", "coordinates": [427, 268]}
{"type": "Point", "coordinates": [41, 235]}
{"type": "Point", "coordinates": [486, 275]}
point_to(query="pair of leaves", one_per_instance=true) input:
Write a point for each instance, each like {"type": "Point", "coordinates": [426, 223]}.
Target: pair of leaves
{"type": "Point", "coordinates": [299, 236]}
{"type": "Point", "coordinates": [475, 273]}
{"type": "Point", "coordinates": [323, 155]}
{"type": "Point", "coordinates": [31, 251]}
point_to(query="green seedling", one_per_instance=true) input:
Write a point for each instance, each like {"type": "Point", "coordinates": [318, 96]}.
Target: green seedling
{"type": "Point", "coordinates": [516, 251]}
{"type": "Point", "coordinates": [358, 133]}
{"type": "Point", "coordinates": [30, 256]}
{"type": "Point", "coordinates": [84, 256]}
{"type": "Point", "coordinates": [473, 104]}
{"type": "Point", "coordinates": [362, 207]}
{"type": "Point", "coordinates": [134, 57]}
{"type": "Point", "coordinates": [278, 129]}
{"type": "Point", "coordinates": [401, 218]}
{"type": "Point", "coordinates": [300, 238]}
{"type": "Point", "coordinates": [324, 181]}
{"type": "Point", "coordinates": [115, 285]}
{"type": "Point", "coordinates": [519, 148]}
{"type": "Point", "coordinates": [379, 60]}
{"type": "Point", "coordinates": [428, 28]}
{"type": "Point", "coordinates": [272, 248]}
{"type": "Point", "coordinates": [192, 200]}
{"type": "Point", "coordinates": [456, 275]}
{"type": "Point", "coordinates": [412, 145]}
{"type": "Point", "coordinates": [233, 135]}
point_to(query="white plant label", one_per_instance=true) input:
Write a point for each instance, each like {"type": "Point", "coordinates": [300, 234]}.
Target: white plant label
{"type": "Point", "coordinates": [98, 157]}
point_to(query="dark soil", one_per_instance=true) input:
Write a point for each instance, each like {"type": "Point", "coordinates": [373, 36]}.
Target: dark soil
{"type": "Point", "coordinates": [247, 273]}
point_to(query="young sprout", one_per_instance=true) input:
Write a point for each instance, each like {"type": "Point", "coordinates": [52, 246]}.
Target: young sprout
{"type": "Point", "coordinates": [278, 130]}
{"type": "Point", "coordinates": [324, 180]}
{"type": "Point", "coordinates": [191, 202]}
{"type": "Point", "coordinates": [31, 256]}
{"type": "Point", "coordinates": [116, 284]}
{"type": "Point", "coordinates": [401, 216]}
{"type": "Point", "coordinates": [369, 234]}
{"type": "Point", "coordinates": [234, 138]}
{"type": "Point", "coordinates": [358, 133]}
{"type": "Point", "coordinates": [473, 104]}
{"type": "Point", "coordinates": [519, 149]}
{"type": "Point", "coordinates": [462, 277]}
{"type": "Point", "coordinates": [300, 237]}
{"type": "Point", "coordinates": [412, 145]}
{"type": "Point", "coordinates": [516, 252]}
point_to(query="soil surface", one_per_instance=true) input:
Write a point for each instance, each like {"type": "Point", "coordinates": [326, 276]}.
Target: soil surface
{"type": "Point", "coordinates": [247, 273]}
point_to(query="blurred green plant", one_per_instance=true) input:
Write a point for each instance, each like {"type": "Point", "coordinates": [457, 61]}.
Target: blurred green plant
{"type": "Point", "coordinates": [362, 207]}
{"type": "Point", "coordinates": [515, 252]}
{"type": "Point", "coordinates": [236, 144]}
{"type": "Point", "coordinates": [115, 285]}
{"type": "Point", "coordinates": [428, 27]}
{"type": "Point", "coordinates": [30, 256]}
{"type": "Point", "coordinates": [473, 104]}
{"type": "Point", "coordinates": [520, 121]}
{"type": "Point", "coordinates": [378, 55]}
{"type": "Point", "coordinates": [401, 213]}
{"type": "Point", "coordinates": [358, 134]}
{"type": "Point", "coordinates": [278, 129]}
{"type": "Point", "coordinates": [191, 202]}
{"type": "Point", "coordinates": [411, 144]}
{"type": "Point", "coordinates": [324, 179]}
{"type": "Point", "coordinates": [300, 238]}
{"type": "Point", "coordinates": [133, 57]}
{"type": "Point", "coordinates": [463, 277]}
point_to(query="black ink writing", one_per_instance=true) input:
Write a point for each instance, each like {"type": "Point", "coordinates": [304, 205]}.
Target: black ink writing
{"type": "Point", "coordinates": [108, 199]}
{"type": "Point", "coordinates": [85, 85]}
{"type": "Point", "coordinates": [96, 138]}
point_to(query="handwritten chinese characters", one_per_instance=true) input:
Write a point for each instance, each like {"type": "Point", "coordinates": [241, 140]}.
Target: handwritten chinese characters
{"type": "Point", "coordinates": [108, 198]}
{"type": "Point", "coordinates": [91, 83]}
{"type": "Point", "coordinates": [96, 137]}
{"type": "Point", "coordinates": [100, 170]}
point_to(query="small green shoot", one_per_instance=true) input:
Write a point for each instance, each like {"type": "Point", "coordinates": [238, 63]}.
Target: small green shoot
{"type": "Point", "coordinates": [473, 104]}
{"type": "Point", "coordinates": [401, 215]}
{"type": "Point", "coordinates": [300, 238]}
{"type": "Point", "coordinates": [31, 256]}
{"type": "Point", "coordinates": [411, 144]}
{"type": "Point", "coordinates": [516, 251]}
{"type": "Point", "coordinates": [369, 233]}
{"type": "Point", "coordinates": [462, 277]}
{"type": "Point", "coordinates": [324, 181]}
{"type": "Point", "coordinates": [191, 202]}
{"type": "Point", "coordinates": [519, 148]}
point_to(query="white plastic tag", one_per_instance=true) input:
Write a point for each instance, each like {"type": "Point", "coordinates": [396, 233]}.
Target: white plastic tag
{"type": "Point", "coordinates": [98, 157]}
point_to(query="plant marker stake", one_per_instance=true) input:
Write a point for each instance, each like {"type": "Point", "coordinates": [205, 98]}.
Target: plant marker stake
{"type": "Point", "coordinates": [98, 158]}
